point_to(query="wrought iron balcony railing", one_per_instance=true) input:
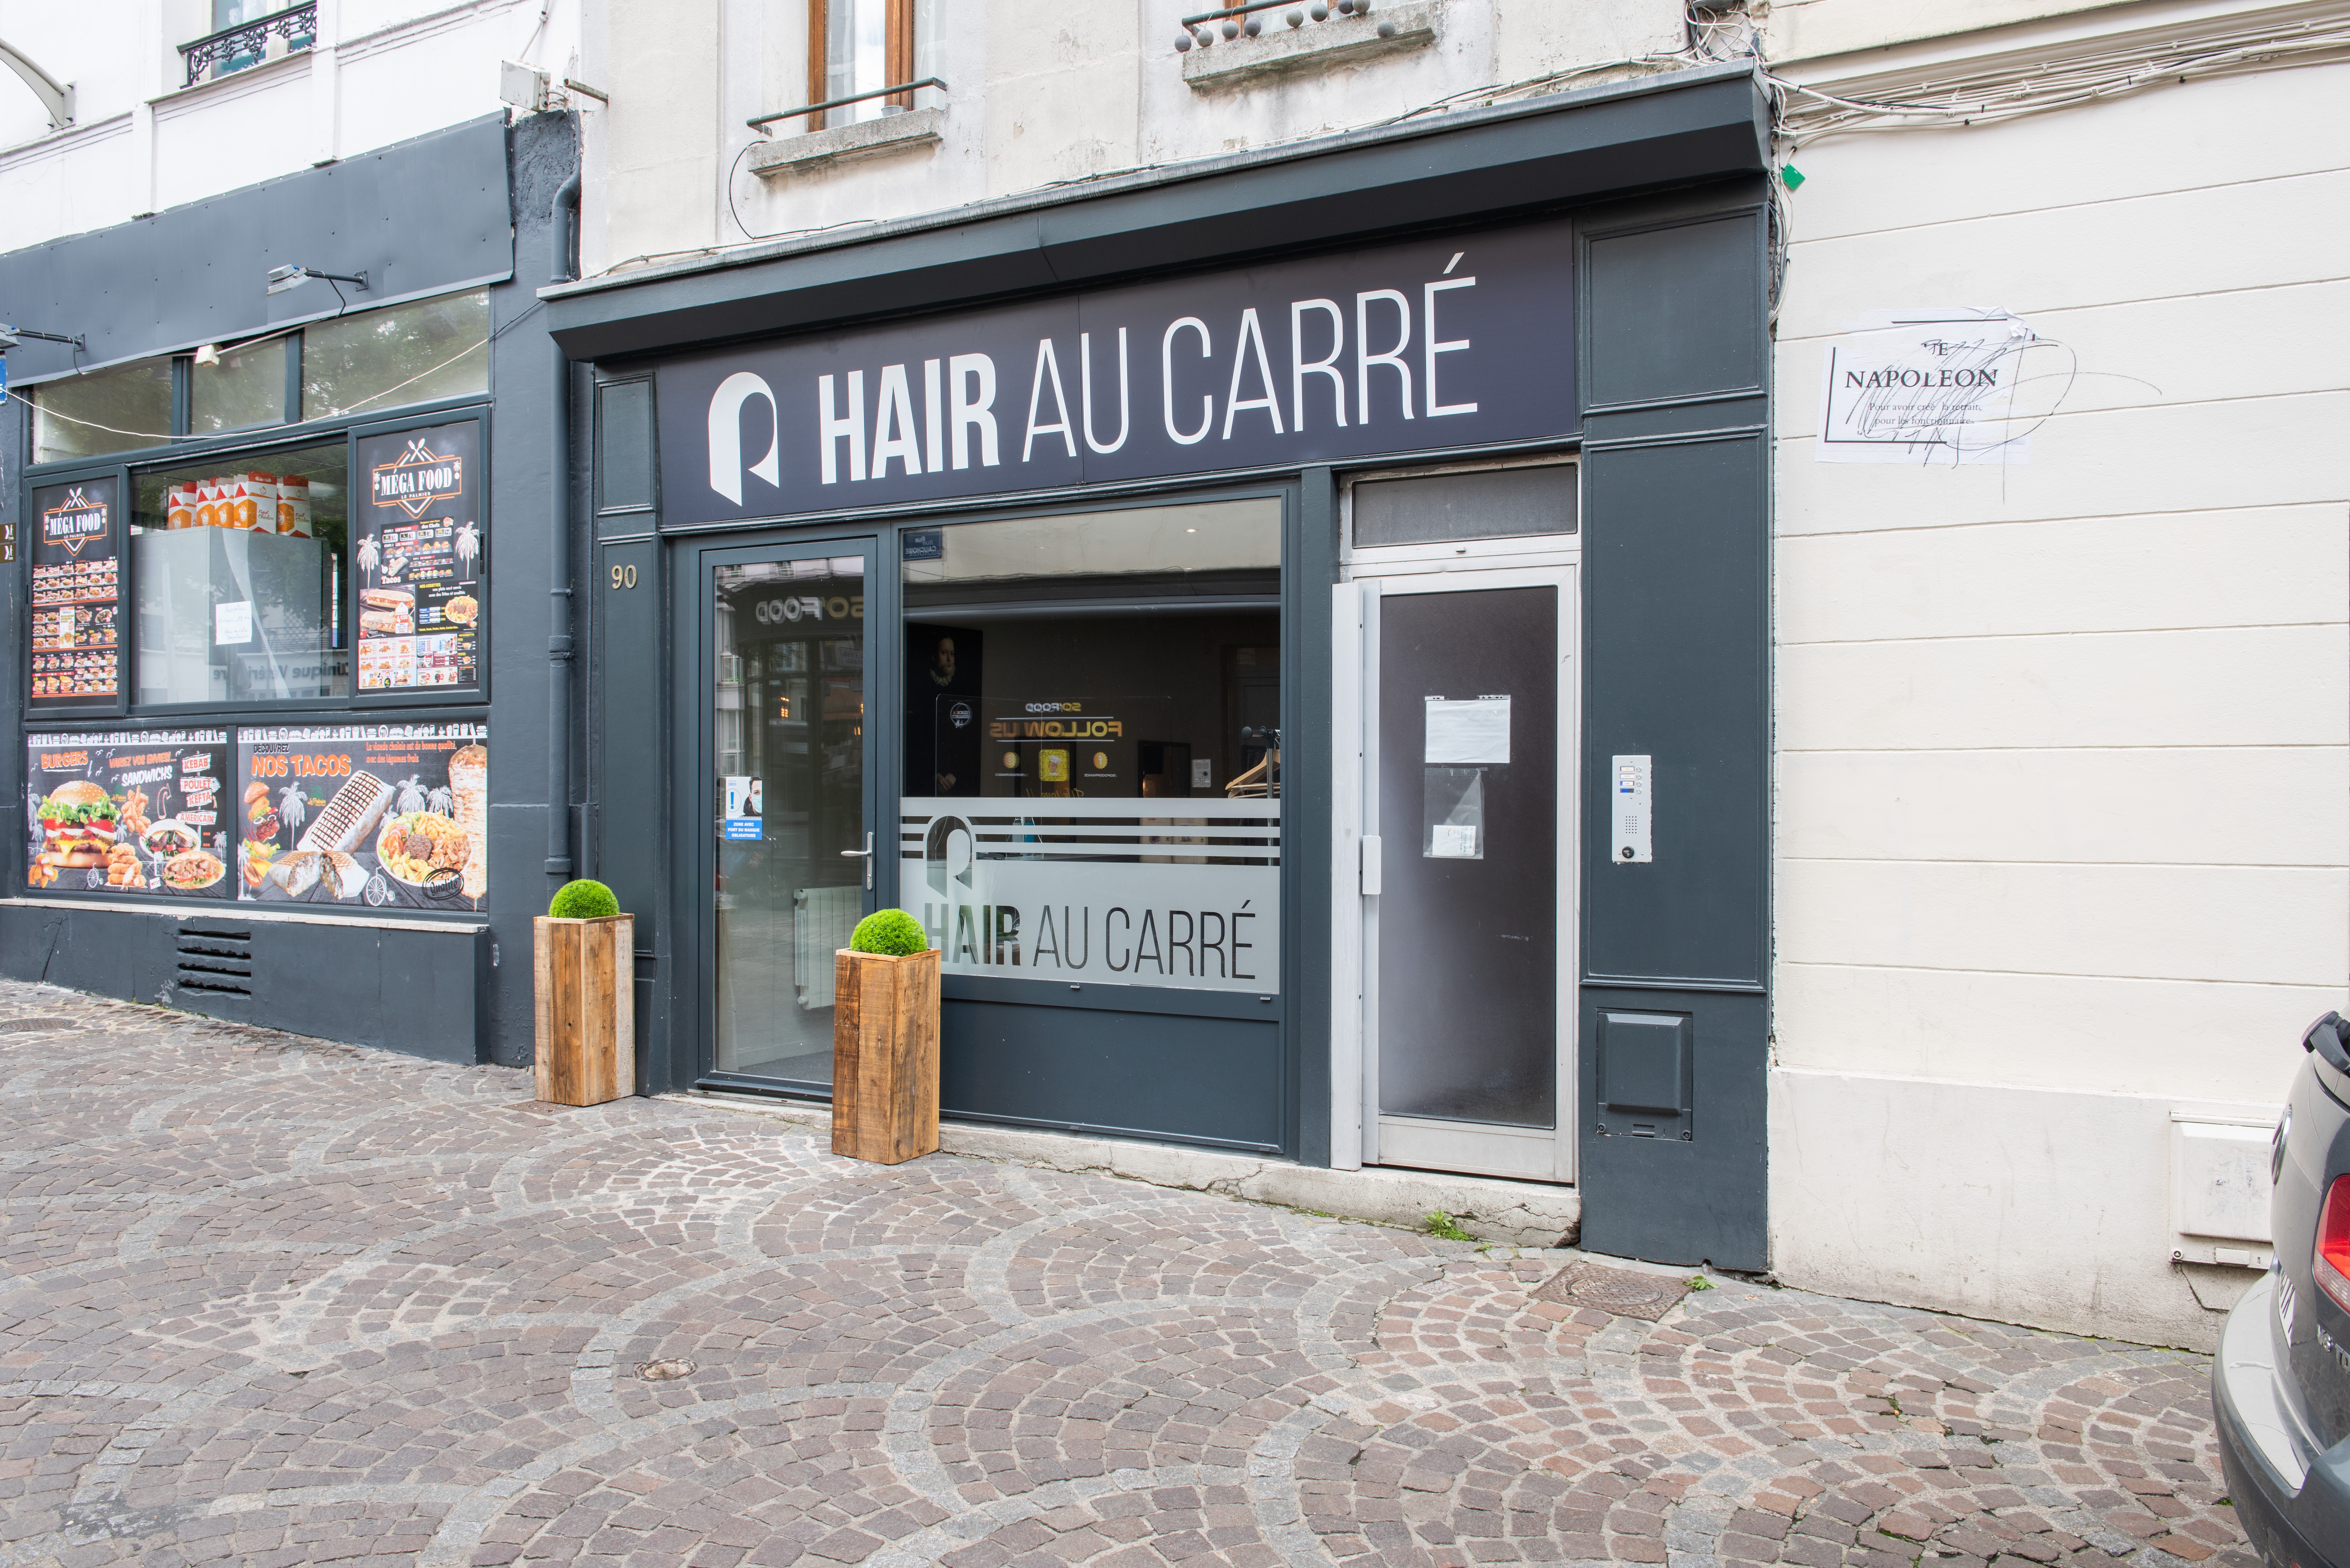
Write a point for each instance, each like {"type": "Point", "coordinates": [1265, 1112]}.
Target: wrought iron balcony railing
{"type": "Point", "coordinates": [248, 44]}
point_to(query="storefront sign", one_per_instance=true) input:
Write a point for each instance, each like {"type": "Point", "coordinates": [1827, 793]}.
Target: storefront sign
{"type": "Point", "coordinates": [128, 814]}
{"type": "Point", "coordinates": [417, 550]}
{"type": "Point", "coordinates": [1467, 339]}
{"type": "Point", "coordinates": [1096, 892]}
{"type": "Point", "coordinates": [373, 815]}
{"type": "Point", "coordinates": [77, 594]}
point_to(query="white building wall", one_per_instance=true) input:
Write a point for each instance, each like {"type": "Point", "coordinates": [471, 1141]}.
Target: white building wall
{"type": "Point", "coordinates": [1040, 92]}
{"type": "Point", "coordinates": [383, 71]}
{"type": "Point", "coordinates": [2063, 804]}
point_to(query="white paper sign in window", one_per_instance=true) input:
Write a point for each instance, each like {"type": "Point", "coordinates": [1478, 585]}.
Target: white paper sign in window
{"type": "Point", "coordinates": [232, 623]}
{"type": "Point", "coordinates": [1470, 732]}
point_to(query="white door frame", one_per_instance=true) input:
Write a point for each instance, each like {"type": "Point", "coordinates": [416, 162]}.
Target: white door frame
{"type": "Point", "coordinates": [1367, 578]}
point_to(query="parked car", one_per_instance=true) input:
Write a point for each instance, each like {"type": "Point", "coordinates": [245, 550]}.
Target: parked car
{"type": "Point", "coordinates": [2281, 1386]}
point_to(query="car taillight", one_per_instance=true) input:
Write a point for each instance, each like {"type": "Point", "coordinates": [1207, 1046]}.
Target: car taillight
{"type": "Point", "coordinates": [2332, 1262]}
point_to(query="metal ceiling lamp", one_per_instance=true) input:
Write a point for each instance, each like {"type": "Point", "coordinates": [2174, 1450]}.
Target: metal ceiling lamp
{"type": "Point", "coordinates": [281, 279]}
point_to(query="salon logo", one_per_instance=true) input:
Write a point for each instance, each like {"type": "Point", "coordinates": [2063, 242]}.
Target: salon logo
{"type": "Point", "coordinates": [726, 435]}
{"type": "Point", "coordinates": [419, 478]}
{"type": "Point", "coordinates": [75, 524]}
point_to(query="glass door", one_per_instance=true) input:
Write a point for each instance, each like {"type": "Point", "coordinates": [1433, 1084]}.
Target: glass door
{"type": "Point", "coordinates": [1469, 1015]}
{"type": "Point", "coordinates": [791, 830]}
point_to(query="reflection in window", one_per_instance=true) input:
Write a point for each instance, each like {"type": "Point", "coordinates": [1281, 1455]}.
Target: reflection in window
{"type": "Point", "coordinates": [238, 564]}
{"type": "Point", "coordinates": [1115, 654]}
{"type": "Point", "coordinates": [379, 359]}
{"type": "Point", "coordinates": [117, 410]}
{"type": "Point", "coordinates": [246, 387]}
{"type": "Point", "coordinates": [869, 45]}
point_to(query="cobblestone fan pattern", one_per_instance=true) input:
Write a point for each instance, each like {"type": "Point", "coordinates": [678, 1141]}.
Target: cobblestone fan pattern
{"type": "Point", "coordinates": [269, 1301]}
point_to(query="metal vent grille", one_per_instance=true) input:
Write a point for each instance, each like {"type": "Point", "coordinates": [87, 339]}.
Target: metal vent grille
{"type": "Point", "coordinates": [215, 959]}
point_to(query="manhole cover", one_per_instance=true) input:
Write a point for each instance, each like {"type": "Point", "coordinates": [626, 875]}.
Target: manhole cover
{"type": "Point", "coordinates": [26, 1026]}
{"type": "Point", "coordinates": [1617, 1291]}
{"type": "Point", "coordinates": [663, 1371]}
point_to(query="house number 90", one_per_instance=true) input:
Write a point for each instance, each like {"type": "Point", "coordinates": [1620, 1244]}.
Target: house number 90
{"type": "Point", "coordinates": [624, 576]}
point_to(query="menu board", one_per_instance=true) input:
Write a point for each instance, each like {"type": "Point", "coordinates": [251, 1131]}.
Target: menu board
{"type": "Point", "coordinates": [416, 556]}
{"type": "Point", "coordinates": [77, 594]}
{"type": "Point", "coordinates": [371, 817]}
{"type": "Point", "coordinates": [128, 812]}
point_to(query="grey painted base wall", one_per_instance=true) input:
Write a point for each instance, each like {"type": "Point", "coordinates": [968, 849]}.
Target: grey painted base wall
{"type": "Point", "coordinates": [424, 992]}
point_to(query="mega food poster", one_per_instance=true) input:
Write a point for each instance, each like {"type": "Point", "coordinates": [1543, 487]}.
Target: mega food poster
{"type": "Point", "coordinates": [77, 594]}
{"type": "Point", "coordinates": [370, 816]}
{"type": "Point", "coordinates": [128, 814]}
{"type": "Point", "coordinates": [416, 559]}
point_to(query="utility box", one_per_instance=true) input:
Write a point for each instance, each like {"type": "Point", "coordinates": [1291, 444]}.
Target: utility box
{"type": "Point", "coordinates": [2219, 1189]}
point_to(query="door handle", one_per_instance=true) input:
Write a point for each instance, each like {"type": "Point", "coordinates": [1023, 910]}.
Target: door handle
{"type": "Point", "coordinates": [865, 855]}
{"type": "Point", "coordinates": [1371, 867]}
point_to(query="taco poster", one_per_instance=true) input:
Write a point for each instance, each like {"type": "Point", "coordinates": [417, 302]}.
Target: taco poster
{"type": "Point", "coordinates": [128, 814]}
{"type": "Point", "coordinates": [416, 559]}
{"type": "Point", "coordinates": [367, 816]}
{"type": "Point", "coordinates": [77, 594]}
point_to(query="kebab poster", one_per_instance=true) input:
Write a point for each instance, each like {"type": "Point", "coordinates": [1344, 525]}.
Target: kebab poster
{"type": "Point", "coordinates": [77, 592]}
{"type": "Point", "coordinates": [128, 812]}
{"type": "Point", "coordinates": [375, 816]}
{"type": "Point", "coordinates": [417, 550]}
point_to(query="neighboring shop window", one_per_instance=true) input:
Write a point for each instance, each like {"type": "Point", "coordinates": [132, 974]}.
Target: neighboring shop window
{"type": "Point", "coordinates": [1092, 741]}
{"type": "Point", "coordinates": [239, 571]}
{"type": "Point", "coordinates": [130, 814]}
{"type": "Point", "coordinates": [117, 410]}
{"type": "Point", "coordinates": [370, 361]}
{"type": "Point", "coordinates": [238, 388]}
{"type": "Point", "coordinates": [366, 363]}
{"type": "Point", "coordinates": [864, 46]}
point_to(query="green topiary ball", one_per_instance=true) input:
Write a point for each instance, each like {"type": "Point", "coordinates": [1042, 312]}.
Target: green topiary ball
{"type": "Point", "coordinates": [583, 901]}
{"type": "Point", "coordinates": [891, 932]}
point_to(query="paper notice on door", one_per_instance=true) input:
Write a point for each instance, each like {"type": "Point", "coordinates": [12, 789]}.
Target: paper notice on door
{"type": "Point", "coordinates": [232, 623]}
{"type": "Point", "coordinates": [1470, 732]}
{"type": "Point", "coordinates": [1453, 841]}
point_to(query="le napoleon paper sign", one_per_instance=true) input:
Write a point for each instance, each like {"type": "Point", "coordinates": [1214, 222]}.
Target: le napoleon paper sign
{"type": "Point", "coordinates": [1936, 386]}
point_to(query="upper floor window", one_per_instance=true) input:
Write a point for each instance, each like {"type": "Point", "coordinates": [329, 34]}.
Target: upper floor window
{"type": "Point", "coordinates": [864, 46]}
{"type": "Point", "coordinates": [247, 32]}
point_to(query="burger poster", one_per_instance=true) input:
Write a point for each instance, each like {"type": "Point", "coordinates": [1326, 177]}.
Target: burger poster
{"type": "Point", "coordinates": [366, 817]}
{"type": "Point", "coordinates": [128, 814]}
{"type": "Point", "coordinates": [77, 594]}
{"type": "Point", "coordinates": [416, 559]}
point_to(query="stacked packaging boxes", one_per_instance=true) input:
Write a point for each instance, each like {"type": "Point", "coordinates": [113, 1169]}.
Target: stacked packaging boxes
{"type": "Point", "coordinates": [267, 502]}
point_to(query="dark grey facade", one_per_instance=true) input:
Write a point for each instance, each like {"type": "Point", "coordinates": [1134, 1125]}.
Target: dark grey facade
{"type": "Point", "coordinates": [473, 206]}
{"type": "Point", "coordinates": [1657, 193]}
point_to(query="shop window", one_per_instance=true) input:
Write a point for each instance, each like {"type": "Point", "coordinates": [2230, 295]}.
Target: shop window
{"type": "Point", "coordinates": [863, 46]}
{"type": "Point", "coordinates": [377, 360]}
{"type": "Point", "coordinates": [238, 570]}
{"type": "Point", "coordinates": [1093, 747]}
{"type": "Point", "coordinates": [246, 387]}
{"type": "Point", "coordinates": [116, 409]}
{"type": "Point", "coordinates": [1117, 637]}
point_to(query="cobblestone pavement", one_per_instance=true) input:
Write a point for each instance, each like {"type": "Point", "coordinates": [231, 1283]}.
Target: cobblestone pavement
{"type": "Point", "coordinates": [270, 1301]}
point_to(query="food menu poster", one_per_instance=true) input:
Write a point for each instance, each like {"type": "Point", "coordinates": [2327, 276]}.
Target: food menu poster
{"type": "Point", "coordinates": [416, 559]}
{"type": "Point", "coordinates": [131, 814]}
{"type": "Point", "coordinates": [364, 816]}
{"type": "Point", "coordinates": [77, 594]}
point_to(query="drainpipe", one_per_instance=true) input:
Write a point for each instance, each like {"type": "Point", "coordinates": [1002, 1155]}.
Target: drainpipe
{"type": "Point", "coordinates": [558, 628]}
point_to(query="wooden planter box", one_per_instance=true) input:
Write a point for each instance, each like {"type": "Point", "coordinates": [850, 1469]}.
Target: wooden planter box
{"type": "Point", "coordinates": [885, 1055]}
{"type": "Point", "coordinates": [584, 984]}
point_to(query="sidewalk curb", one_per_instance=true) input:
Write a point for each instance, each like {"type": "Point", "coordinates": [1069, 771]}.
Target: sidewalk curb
{"type": "Point", "coordinates": [1519, 1213]}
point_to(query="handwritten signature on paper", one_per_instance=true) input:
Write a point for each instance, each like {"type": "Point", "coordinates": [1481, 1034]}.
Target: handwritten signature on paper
{"type": "Point", "coordinates": [1942, 387]}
